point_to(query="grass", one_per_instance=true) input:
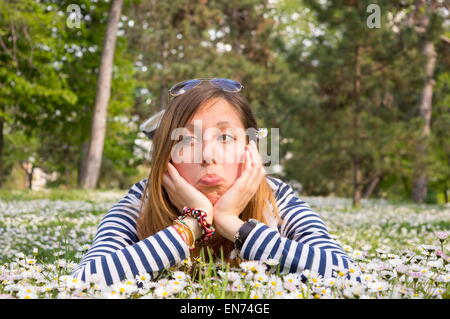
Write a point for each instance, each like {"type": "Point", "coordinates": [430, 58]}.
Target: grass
{"type": "Point", "coordinates": [93, 196]}
{"type": "Point", "coordinates": [60, 223]}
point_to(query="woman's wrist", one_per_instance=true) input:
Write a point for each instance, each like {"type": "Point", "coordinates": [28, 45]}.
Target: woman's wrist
{"type": "Point", "coordinates": [194, 226]}
{"type": "Point", "coordinates": [228, 225]}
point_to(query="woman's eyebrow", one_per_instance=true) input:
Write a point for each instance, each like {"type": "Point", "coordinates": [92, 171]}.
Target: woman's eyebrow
{"type": "Point", "coordinates": [191, 126]}
{"type": "Point", "coordinates": [226, 123]}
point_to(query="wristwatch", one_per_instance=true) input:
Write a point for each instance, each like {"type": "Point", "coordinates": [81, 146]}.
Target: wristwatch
{"type": "Point", "coordinates": [242, 233]}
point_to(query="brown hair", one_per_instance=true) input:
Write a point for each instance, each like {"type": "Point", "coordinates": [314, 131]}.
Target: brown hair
{"type": "Point", "coordinates": [157, 211]}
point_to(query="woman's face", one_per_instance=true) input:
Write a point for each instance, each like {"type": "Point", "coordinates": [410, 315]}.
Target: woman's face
{"type": "Point", "coordinates": [210, 150]}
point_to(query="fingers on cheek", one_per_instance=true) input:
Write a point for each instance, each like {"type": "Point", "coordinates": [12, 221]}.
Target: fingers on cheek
{"type": "Point", "coordinates": [173, 172]}
{"type": "Point", "coordinates": [255, 152]}
{"type": "Point", "coordinates": [170, 169]}
{"type": "Point", "coordinates": [252, 156]}
{"type": "Point", "coordinates": [247, 159]}
{"type": "Point", "coordinates": [167, 182]}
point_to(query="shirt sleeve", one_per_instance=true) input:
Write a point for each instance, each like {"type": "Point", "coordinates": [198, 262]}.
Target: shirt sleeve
{"type": "Point", "coordinates": [301, 242]}
{"type": "Point", "coordinates": [117, 254]}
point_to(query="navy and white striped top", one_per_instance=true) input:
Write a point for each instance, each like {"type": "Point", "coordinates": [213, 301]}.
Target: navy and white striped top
{"type": "Point", "coordinates": [301, 241]}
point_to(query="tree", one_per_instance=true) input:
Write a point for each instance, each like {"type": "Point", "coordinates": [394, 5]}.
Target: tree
{"type": "Point", "coordinates": [90, 173]}
{"type": "Point", "coordinates": [423, 15]}
{"type": "Point", "coordinates": [31, 88]}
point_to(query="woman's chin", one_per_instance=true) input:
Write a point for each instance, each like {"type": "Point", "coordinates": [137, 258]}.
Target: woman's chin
{"type": "Point", "coordinates": [213, 199]}
{"type": "Point", "coordinates": [213, 194]}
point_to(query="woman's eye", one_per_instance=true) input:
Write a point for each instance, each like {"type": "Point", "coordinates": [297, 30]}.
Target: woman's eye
{"type": "Point", "coordinates": [188, 140]}
{"type": "Point", "coordinates": [226, 138]}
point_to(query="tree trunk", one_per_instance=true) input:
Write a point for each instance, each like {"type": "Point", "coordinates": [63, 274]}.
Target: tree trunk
{"type": "Point", "coordinates": [372, 185]}
{"type": "Point", "coordinates": [82, 163]}
{"type": "Point", "coordinates": [356, 157]}
{"type": "Point", "coordinates": [420, 179]}
{"type": "Point", "coordinates": [30, 178]}
{"type": "Point", "coordinates": [445, 192]}
{"type": "Point", "coordinates": [90, 173]}
{"type": "Point", "coordinates": [28, 167]}
{"type": "Point", "coordinates": [163, 96]}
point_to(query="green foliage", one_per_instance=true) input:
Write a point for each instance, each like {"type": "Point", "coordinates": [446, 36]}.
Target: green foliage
{"type": "Point", "coordinates": [296, 59]}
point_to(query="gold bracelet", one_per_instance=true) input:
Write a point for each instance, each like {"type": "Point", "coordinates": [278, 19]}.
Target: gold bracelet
{"type": "Point", "coordinates": [180, 231]}
{"type": "Point", "coordinates": [190, 234]}
{"type": "Point", "coordinates": [188, 231]}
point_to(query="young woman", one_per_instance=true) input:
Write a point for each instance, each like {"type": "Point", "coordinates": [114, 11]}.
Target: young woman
{"type": "Point", "coordinates": [207, 187]}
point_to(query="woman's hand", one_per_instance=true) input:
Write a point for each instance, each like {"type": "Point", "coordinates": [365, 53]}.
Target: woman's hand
{"type": "Point", "coordinates": [236, 198]}
{"type": "Point", "coordinates": [182, 194]}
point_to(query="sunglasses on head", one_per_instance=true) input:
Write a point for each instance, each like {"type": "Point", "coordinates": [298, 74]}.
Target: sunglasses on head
{"type": "Point", "coordinates": [225, 84]}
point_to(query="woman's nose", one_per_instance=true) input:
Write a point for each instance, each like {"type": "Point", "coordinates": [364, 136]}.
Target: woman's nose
{"type": "Point", "coordinates": [209, 153]}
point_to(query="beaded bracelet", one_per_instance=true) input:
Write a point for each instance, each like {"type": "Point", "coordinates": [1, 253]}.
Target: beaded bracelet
{"type": "Point", "coordinates": [200, 215]}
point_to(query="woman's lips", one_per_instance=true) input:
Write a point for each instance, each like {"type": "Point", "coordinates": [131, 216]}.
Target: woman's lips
{"type": "Point", "coordinates": [210, 180]}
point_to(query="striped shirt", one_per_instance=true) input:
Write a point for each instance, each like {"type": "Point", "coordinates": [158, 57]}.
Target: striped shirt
{"type": "Point", "coordinates": [300, 241]}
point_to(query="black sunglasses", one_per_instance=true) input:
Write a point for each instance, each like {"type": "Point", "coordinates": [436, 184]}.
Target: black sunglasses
{"type": "Point", "coordinates": [225, 84]}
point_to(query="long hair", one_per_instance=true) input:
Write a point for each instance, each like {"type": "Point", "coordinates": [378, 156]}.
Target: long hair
{"type": "Point", "coordinates": [156, 211]}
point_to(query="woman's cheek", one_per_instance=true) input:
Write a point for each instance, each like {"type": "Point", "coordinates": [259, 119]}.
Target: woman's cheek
{"type": "Point", "coordinates": [240, 168]}
{"type": "Point", "coordinates": [232, 172]}
{"type": "Point", "coordinates": [241, 162]}
{"type": "Point", "coordinates": [186, 171]}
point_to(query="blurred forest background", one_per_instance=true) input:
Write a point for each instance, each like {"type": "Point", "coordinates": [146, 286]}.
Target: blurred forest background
{"type": "Point", "coordinates": [359, 89]}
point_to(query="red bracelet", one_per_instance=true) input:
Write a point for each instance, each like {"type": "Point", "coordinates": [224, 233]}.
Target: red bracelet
{"type": "Point", "coordinates": [200, 215]}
